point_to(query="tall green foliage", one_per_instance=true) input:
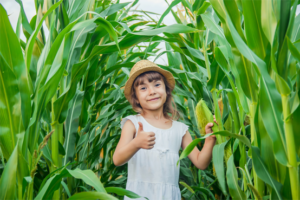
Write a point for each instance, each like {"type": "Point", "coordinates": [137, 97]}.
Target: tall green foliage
{"type": "Point", "coordinates": [62, 101]}
{"type": "Point", "coordinates": [247, 50]}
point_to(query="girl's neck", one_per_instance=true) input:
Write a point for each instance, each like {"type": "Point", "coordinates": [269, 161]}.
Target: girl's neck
{"type": "Point", "coordinates": [156, 116]}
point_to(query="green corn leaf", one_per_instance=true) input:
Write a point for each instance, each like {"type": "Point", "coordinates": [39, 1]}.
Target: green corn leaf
{"type": "Point", "coordinates": [234, 14]}
{"type": "Point", "coordinates": [10, 110]}
{"type": "Point", "coordinates": [263, 173]}
{"type": "Point", "coordinates": [203, 8]}
{"type": "Point", "coordinates": [204, 190]}
{"type": "Point", "coordinates": [269, 96]}
{"type": "Point", "coordinates": [92, 195]}
{"type": "Point", "coordinates": [211, 24]}
{"type": "Point", "coordinates": [112, 9]}
{"type": "Point", "coordinates": [25, 22]}
{"type": "Point", "coordinates": [109, 28]}
{"type": "Point", "coordinates": [30, 43]}
{"type": "Point", "coordinates": [72, 127]}
{"type": "Point", "coordinates": [122, 192]}
{"type": "Point", "coordinates": [232, 181]}
{"type": "Point", "coordinates": [11, 51]}
{"type": "Point", "coordinates": [8, 179]}
{"type": "Point", "coordinates": [51, 185]}
{"type": "Point", "coordinates": [218, 6]}
{"type": "Point", "coordinates": [88, 177]}
{"type": "Point", "coordinates": [294, 51]}
{"type": "Point", "coordinates": [268, 20]}
{"type": "Point", "coordinates": [256, 39]}
{"type": "Point", "coordinates": [174, 3]}
{"type": "Point", "coordinates": [194, 143]}
{"type": "Point", "coordinates": [218, 160]}
{"type": "Point", "coordinates": [187, 187]}
{"type": "Point", "coordinates": [255, 192]}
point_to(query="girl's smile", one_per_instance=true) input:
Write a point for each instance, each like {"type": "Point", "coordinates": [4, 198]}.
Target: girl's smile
{"type": "Point", "coordinates": [153, 99]}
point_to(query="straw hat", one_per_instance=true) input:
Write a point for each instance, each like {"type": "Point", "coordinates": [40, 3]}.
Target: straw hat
{"type": "Point", "coordinates": [145, 66]}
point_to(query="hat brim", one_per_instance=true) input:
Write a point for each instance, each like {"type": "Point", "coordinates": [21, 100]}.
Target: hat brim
{"type": "Point", "coordinates": [168, 75]}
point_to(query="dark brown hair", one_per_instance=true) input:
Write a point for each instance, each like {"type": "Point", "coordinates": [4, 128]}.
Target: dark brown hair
{"type": "Point", "coordinates": [154, 76]}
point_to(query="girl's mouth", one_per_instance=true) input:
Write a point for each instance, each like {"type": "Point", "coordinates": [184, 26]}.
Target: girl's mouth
{"type": "Point", "coordinates": [154, 99]}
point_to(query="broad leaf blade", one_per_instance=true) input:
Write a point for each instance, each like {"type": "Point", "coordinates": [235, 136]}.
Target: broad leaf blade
{"type": "Point", "coordinates": [218, 160]}
{"type": "Point", "coordinates": [8, 185]}
{"type": "Point", "coordinates": [262, 172]}
{"type": "Point", "coordinates": [92, 195]}
{"type": "Point", "coordinates": [88, 177]}
{"type": "Point", "coordinates": [232, 181]}
{"type": "Point", "coordinates": [11, 51]}
{"type": "Point", "coordinates": [10, 109]}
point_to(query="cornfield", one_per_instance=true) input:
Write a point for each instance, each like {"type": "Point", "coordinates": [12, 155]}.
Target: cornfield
{"type": "Point", "coordinates": [62, 101]}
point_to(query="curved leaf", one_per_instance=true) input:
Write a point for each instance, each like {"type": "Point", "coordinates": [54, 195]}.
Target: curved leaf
{"type": "Point", "coordinates": [269, 98]}
{"type": "Point", "coordinates": [232, 181]}
{"type": "Point", "coordinates": [218, 160]}
{"type": "Point", "coordinates": [256, 39]}
{"type": "Point", "coordinates": [89, 177]}
{"type": "Point", "coordinates": [30, 43]}
{"type": "Point", "coordinates": [122, 192]}
{"type": "Point", "coordinates": [263, 173]}
{"type": "Point", "coordinates": [10, 109]}
{"type": "Point", "coordinates": [72, 127]}
{"type": "Point", "coordinates": [92, 195]}
{"type": "Point", "coordinates": [192, 145]}
{"type": "Point", "coordinates": [211, 24]}
{"type": "Point", "coordinates": [11, 51]}
{"type": "Point", "coordinates": [8, 178]}
{"type": "Point", "coordinates": [268, 20]}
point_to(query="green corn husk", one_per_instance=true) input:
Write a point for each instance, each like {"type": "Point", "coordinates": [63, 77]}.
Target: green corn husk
{"type": "Point", "coordinates": [227, 152]}
{"type": "Point", "coordinates": [228, 124]}
{"type": "Point", "coordinates": [247, 120]}
{"type": "Point", "coordinates": [204, 116]}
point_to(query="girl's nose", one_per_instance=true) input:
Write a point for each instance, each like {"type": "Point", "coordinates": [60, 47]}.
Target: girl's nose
{"type": "Point", "coordinates": [151, 90]}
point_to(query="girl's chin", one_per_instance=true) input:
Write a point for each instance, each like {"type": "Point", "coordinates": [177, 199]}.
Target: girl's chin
{"type": "Point", "coordinates": [154, 107]}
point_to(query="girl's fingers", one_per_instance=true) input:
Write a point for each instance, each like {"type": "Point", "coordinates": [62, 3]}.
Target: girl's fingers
{"type": "Point", "coordinates": [213, 136]}
{"type": "Point", "coordinates": [208, 128]}
{"type": "Point", "coordinates": [216, 121]}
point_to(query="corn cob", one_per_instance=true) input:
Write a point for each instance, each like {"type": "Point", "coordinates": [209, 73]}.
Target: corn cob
{"type": "Point", "coordinates": [247, 120]}
{"type": "Point", "coordinates": [204, 116]}
{"type": "Point", "coordinates": [227, 152]}
{"type": "Point", "coordinates": [221, 106]}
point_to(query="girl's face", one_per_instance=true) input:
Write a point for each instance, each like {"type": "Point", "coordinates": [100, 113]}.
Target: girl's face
{"type": "Point", "coordinates": [151, 95]}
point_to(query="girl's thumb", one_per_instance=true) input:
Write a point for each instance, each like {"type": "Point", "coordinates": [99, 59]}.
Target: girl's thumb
{"type": "Point", "coordinates": [140, 126]}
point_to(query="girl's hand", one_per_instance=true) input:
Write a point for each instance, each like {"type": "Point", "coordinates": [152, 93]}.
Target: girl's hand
{"type": "Point", "coordinates": [144, 140]}
{"type": "Point", "coordinates": [208, 129]}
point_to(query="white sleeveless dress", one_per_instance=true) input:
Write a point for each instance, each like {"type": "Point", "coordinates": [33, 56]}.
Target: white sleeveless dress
{"type": "Point", "coordinates": [153, 173]}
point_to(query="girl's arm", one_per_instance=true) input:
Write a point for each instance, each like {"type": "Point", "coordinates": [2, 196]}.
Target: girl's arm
{"type": "Point", "coordinates": [126, 147]}
{"type": "Point", "coordinates": [200, 159]}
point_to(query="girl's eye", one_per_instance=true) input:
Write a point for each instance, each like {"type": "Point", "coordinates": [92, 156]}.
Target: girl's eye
{"type": "Point", "coordinates": [155, 85]}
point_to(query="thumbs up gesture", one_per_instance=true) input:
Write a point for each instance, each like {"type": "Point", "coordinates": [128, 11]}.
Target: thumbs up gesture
{"type": "Point", "coordinates": [144, 140]}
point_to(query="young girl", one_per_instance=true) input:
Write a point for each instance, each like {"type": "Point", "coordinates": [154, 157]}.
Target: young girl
{"type": "Point", "coordinates": [150, 141]}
